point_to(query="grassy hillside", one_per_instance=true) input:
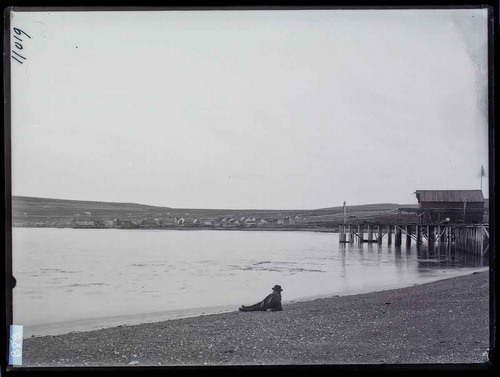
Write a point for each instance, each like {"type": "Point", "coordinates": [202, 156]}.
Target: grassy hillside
{"type": "Point", "coordinates": [51, 212]}
{"type": "Point", "coordinates": [23, 206]}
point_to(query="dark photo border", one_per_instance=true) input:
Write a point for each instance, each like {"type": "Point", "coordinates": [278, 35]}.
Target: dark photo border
{"type": "Point", "coordinates": [9, 282]}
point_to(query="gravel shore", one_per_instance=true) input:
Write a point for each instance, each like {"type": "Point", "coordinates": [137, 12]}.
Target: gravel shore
{"type": "Point", "coordinates": [440, 322]}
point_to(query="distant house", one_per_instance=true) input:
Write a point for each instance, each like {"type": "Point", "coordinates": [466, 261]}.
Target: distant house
{"type": "Point", "coordinates": [181, 221]}
{"type": "Point", "coordinates": [87, 223]}
{"type": "Point", "coordinates": [226, 222]}
{"type": "Point", "coordinates": [108, 223]}
{"type": "Point", "coordinates": [122, 224]}
{"type": "Point", "coordinates": [230, 223]}
{"type": "Point", "coordinates": [250, 221]}
{"type": "Point", "coordinates": [262, 222]}
{"type": "Point", "coordinates": [459, 206]}
{"type": "Point", "coordinates": [82, 224]}
{"type": "Point", "coordinates": [126, 224]}
{"type": "Point", "coordinates": [168, 221]}
{"type": "Point", "coordinates": [148, 223]}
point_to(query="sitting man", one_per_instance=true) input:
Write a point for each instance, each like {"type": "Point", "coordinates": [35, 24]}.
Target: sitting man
{"type": "Point", "coordinates": [272, 301]}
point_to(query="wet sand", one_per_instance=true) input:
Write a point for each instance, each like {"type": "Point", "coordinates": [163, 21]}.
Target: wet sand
{"type": "Point", "coordinates": [441, 322]}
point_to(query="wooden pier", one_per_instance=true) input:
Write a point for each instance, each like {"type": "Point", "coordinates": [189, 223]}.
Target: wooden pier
{"type": "Point", "coordinates": [471, 237]}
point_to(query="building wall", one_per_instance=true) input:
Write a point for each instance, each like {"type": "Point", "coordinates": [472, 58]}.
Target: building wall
{"type": "Point", "coordinates": [459, 205]}
{"type": "Point", "coordinates": [457, 214]}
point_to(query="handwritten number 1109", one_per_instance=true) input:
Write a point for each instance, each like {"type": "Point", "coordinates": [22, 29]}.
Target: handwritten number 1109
{"type": "Point", "coordinates": [18, 45]}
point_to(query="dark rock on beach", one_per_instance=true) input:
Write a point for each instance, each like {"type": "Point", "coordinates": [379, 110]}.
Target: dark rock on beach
{"type": "Point", "coordinates": [440, 322]}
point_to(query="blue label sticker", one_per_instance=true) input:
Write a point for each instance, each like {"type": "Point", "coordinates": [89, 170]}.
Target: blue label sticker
{"type": "Point", "coordinates": [16, 345]}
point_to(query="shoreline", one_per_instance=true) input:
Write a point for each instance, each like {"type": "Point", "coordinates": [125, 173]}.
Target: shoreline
{"type": "Point", "coordinates": [99, 323]}
{"type": "Point", "coordinates": [444, 321]}
{"type": "Point", "coordinates": [302, 229]}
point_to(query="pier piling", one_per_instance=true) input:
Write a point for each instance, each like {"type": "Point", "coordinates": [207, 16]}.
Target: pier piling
{"type": "Point", "coordinates": [370, 233]}
{"type": "Point", "coordinates": [398, 236]}
{"type": "Point", "coordinates": [473, 238]}
{"type": "Point", "coordinates": [408, 235]}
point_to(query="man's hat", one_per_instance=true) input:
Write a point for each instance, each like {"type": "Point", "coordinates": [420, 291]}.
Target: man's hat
{"type": "Point", "coordinates": [277, 288]}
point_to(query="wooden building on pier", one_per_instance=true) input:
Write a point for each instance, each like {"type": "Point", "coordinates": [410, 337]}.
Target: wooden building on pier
{"type": "Point", "coordinates": [453, 206]}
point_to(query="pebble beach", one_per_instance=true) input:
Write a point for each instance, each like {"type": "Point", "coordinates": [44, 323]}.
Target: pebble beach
{"type": "Point", "coordinates": [440, 322]}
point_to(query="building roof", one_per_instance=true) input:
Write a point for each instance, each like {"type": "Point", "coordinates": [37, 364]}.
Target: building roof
{"type": "Point", "coordinates": [449, 196]}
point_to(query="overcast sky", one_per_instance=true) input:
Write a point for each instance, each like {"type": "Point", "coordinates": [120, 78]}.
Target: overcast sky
{"type": "Point", "coordinates": [249, 109]}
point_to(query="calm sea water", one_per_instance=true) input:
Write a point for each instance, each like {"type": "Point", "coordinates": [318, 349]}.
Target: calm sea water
{"type": "Point", "coordinates": [82, 279]}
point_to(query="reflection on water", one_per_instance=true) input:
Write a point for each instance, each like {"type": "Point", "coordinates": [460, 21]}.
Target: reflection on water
{"type": "Point", "coordinates": [447, 255]}
{"type": "Point", "coordinates": [92, 277]}
{"type": "Point", "coordinates": [424, 259]}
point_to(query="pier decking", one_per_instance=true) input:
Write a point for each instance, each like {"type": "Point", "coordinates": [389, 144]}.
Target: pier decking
{"type": "Point", "coordinates": [471, 237]}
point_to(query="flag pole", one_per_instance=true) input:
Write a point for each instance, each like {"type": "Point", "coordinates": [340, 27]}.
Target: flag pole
{"type": "Point", "coordinates": [482, 172]}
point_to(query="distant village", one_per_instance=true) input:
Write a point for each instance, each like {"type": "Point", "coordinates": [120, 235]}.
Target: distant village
{"type": "Point", "coordinates": [434, 207]}
{"type": "Point", "coordinates": [86, 221]}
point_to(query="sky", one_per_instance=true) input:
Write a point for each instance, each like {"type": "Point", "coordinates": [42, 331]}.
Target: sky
{"type": "Point", "coordinates": [261, 109]}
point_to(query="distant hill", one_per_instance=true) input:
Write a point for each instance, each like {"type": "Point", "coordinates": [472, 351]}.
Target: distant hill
{"type": "Point", "coordinates": [29, 210]}
{"type": "Point", "coordinates": [368, 207]}
{"type": "Point", "coordinates": [23, 206]}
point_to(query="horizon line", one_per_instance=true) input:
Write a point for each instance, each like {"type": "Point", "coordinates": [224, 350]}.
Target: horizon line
{"type": "Point", "coordinates": [197, 208]}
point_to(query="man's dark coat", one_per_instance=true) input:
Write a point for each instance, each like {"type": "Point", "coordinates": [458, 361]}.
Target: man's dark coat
{"type": "Point", "coordinates": [272, 301]}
